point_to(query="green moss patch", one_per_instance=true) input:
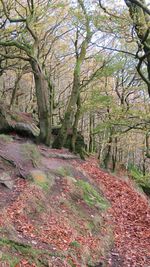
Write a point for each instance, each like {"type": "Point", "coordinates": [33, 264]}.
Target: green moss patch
{"type": "Point", "coordinates": [12, 252]}
{"type": "Point", "coordinates": [91, 196]}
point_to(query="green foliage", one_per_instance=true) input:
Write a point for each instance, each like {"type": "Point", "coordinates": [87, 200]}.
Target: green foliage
{"type": "Point", "coordinates": [138, 177]}
{"type": "Point", "coordinates": [96, 101]}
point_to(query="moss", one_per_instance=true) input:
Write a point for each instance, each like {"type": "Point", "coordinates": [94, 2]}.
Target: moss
{"type": "Point", "coordinates": [15, 117]}
{"type": "Point", "coordinates": [31, 152]}
{"type": "Point", "coordinates": [5, 138]}
{"type": "Point", "coordinates": [91, 196]}
{"type": "Point", "coordinates": [64, 171]}
{"type": "Point", "coordinates": [45, 181]}
{"type": "Point", "coordinates": [75, 244]}
{"type": "Point", "coordinates": [8, 259]}
{"type": "Point", "coordinates": [33, 255]}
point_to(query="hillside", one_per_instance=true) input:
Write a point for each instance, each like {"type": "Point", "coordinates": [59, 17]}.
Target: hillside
{"type": "Point", "coordinates": [57, 210]}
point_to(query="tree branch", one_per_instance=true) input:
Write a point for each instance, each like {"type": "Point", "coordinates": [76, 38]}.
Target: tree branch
{"type": "Point", "coordinates": [138, 3]}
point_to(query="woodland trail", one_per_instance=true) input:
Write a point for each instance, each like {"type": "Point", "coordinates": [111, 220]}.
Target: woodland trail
{"type": "Point", "coordinates": [130, 213]}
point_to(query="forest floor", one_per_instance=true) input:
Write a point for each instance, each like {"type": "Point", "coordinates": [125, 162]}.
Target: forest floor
{"type": "Point", "coordinates": [57, 210]}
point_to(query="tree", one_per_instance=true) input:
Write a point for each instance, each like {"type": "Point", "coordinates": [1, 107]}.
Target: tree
{"type": "Point", "coordinates": [140, 15]}
{"type": "Point", "coordinates": [80, 51]}
{"type": "Point", "coordinates": [28, 35]}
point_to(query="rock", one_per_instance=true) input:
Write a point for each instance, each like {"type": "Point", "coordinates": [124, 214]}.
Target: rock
{"type": "Point", "coordinates": [28, 128]}
{"type": "Point", "coordinates": [63, 156]}
{"type": "Point", "coordinates": [19, 122]}
{"type": "Point", "coordinates": [6, 180]}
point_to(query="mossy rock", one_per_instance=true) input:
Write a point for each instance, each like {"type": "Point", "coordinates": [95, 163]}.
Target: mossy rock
{"type": "Point", "coordinates": [21, 123]}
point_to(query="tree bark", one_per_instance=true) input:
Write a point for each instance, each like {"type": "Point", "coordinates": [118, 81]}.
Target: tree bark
{"type": "Point", "coordinates": [71, 109]}
{"type": "Point", "coordinates": [43, 101]}
{"type": "Point", "coordinates": [141, 21]}
{"type": "Point", "coordinates": [91, 136]}
{"type": "Point", "coordinates": [75, 125]}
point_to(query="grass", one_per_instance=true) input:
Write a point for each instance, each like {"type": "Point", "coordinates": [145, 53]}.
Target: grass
{"type": "Point", "coordinates": [64, 171]}
{"type": "Point", "coordinates": [31, 152]}
{"type": "Point", "coordinates": [91, 196]}
{"type": "Point", "coordinates": [75, 244]}
{"type": "Point", "coordinates": [42, 179]}
{"type": "Point", "coordinates": [8, 259]}
{"type": "Point", "coordinates": [5, 138]}
{"type": "Point", "coordinates": [31, 254]}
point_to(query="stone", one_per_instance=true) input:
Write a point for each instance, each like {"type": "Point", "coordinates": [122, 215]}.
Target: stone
{"type": "Point", "coordinates": [6, 180]}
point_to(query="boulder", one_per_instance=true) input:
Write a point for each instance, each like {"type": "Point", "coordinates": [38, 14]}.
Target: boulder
{"type": "Point", "coordinates": [18, 122]}
{"type": "Point", "coordinates": [6, 180]}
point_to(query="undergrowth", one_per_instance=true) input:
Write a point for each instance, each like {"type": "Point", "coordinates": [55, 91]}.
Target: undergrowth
{"type": "Point", "coordinates": [5, 138]}
{"type": "Point", "coordinates": [31, 152]}
{"type": "Point", "coordinates": [142, 180]}
{"type": "Point", "coordinates": [91, 196]}
{"type": "Point", "coordinates": [10, 250]}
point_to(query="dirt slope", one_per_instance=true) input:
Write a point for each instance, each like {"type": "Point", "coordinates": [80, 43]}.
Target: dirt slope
{"type": "Point", "coordinates": [56, 210]}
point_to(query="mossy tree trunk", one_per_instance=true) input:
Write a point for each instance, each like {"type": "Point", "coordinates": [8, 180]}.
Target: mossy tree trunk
{"type": "Point", "coordinates": [75, 125]}
{"type": "Point", "coordinates": [80, 51]}
{"type": "Point", "coordinates": [43, 101]}
{"type": "Point", "coordinates": [114, 154]}
{"type": "Point", "coordinates": [107, 157]}
{"type": "Point", "coordinates": [91, 135]}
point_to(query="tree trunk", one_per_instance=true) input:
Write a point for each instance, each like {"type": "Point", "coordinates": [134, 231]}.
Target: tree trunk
{"type": "Point", "coordinates": [43, 102]}
{"type": "Point", "coordinates": [108, 153]}
{"type": "Point", "coordinates": [75, 125]}
{"type": "Point", "coordinates": [114, 154]}
{"type": "Point", "coordinates": [80, 57]}
{"type": "Point", "coordinates": [71, 110]}
{"type": "Point", "coordinates": [91, 142]}
{"type": "Point", "coordinates": [13, 97]}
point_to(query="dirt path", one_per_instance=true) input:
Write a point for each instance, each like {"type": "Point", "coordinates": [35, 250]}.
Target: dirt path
{"type": "Point", "coordinates": [131, 216]}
